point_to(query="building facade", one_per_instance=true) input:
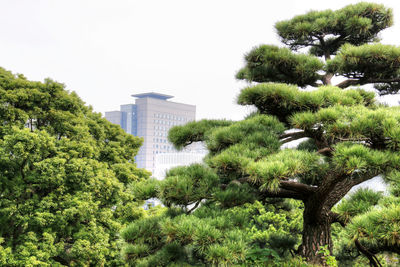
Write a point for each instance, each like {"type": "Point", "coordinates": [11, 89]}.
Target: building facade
{"type": "Point", "coordinates": [151, 117]}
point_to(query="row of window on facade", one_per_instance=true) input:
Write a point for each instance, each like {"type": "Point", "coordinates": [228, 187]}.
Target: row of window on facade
{"type": "Point", "coordinates": [159, 140]}
{"type": "Point", "coordinates": [172, 123]}
{"type": "Point", "coordinates": [169, 117]}
{"type": "Point", "coordinates": [163, 146]}
{"type": "Point", "coordinates": [159, 152]}
{"type": "Point", "coordinates": [163, 128]}
{"type": "Point", "coordinates": [161, 134]}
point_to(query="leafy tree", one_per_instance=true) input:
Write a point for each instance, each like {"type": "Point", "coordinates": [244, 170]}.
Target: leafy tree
{"type": "Point", "coordinates": [64, 172]}
{"type": "Point", "coordinates": [347, 138]}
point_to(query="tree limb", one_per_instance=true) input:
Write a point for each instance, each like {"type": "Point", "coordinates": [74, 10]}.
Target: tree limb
{"type": "Point", "coordinates": [371, 257]}
{"type": "Point", "coordinates": [347, 83]}
{"type": "Point", "coordinates": [283, 193]}
{"type": "Point", "coordinates": [327, 151]}
{"type": "Point", "coordinates": [298, 187]}
{"type": "Point", "coordinates": [288, 137]}
{"type": "Point", "coordinates": [342, 187]}
{"type": "Point", "coordinates": [194, 207]}
{"type": "Point", "coordinates": [362, 81]}
{"type": "Point", "coordinates": [337, 218]}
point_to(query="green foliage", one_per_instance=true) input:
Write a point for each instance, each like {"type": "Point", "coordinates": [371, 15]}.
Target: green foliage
{"type": "Point", "coordinates": [377, 127]}
{"type": "Point", "coordinates": [64, 173]}
{"type": "Point", "coordinates": [286, 164]}
{"type": "Point", "coordinates": [268, 63]}
{"type": "Point", "coordinates": [377, 229]}
{"type": "Point", "coordinates": [187, 185]}
{"type": "Point", "coordinates": [282, 100]}
{"type": "Point", "coordinates": [358, 202]}
{"type": "Point", "coordinates": [329, 259]}
{"type": "Point", "coordinates": [191, 132]}
{"type": "Point", "coordinates": [246, 131]}
{"type": "Point", "coordinates": [212, 235]}
{"type": "Point", "coordinates": [354, 24]}
{"type": "Point", "coordinates": [366, 61]}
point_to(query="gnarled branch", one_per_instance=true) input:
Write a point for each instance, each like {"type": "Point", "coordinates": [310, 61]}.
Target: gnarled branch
{"type": "Point", "coordinates": [362, 81]}
{"type": "Point", "coordinates": [283, 193]}
{"type": "Point", "coordinates": [337, 218]}
{"type": "Point", "coordinates": [298, 187]}
{"type": "Point", "coordinates": [288, 137]}
{"type": "Point", "coordinates": [371, 257]}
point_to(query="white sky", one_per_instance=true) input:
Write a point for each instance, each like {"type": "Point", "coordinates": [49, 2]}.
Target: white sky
{"type": "Point", "coordinates": [107, 50]}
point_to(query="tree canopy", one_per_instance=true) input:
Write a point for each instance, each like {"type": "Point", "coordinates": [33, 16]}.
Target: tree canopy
{"type": "Point", "coordinates": [346, 138]}
{"type": "Point", "coordinates": [64, 175]}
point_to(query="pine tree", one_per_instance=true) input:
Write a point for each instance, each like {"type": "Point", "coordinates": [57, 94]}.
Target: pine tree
{"type": "Point", "coordinates": [347, 138]}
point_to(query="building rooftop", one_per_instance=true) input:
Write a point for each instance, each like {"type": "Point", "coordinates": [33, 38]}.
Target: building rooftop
{"type": "Point", "coordinates": [153, 95]}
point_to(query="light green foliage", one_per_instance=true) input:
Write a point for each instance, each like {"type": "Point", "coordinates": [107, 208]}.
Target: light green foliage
{"type": "Point", "coordinates": [282, 100]}
{"type": "Point", "coordinates": [366, 61]}
{"type": "Point", "coordinates": [358, 203]}
{"type": "Point", "coordinates": [358, 160]}
{"type": "Point", "coordinates": [63, 177]}
{"type": "Point", "coordinates": [246, 131]}
{"type": "Point", "coordinates": [268, 63]}
{"type": "Point", "coordinates": [212, 235]}
{"type": "Point", "coordinates": [187, 185]}
{"type": "Point", "coordinates": [374, 220]}
{"type": "Point", "coordinates": [191, 132]}
{"type": "Point", "coordinates": [347, 33]}
{"type": "Point", "coordinates": [285, 165]}
{"type": "Point", "coordinates": [329, 259]}
{"type": "Point", "coordinates": [379, 127]}
{"type": "Point", "coordinates": [376, 229]}
{"type": "Point", "coordinates": [355, 24]}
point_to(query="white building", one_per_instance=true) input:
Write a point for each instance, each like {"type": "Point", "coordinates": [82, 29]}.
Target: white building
{"type": "Point", "coordinates": [151, 117]}
{"type": "Point", "coordinates": [165, 161]}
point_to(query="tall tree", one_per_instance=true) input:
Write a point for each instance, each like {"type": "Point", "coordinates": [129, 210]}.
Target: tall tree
{"type": "Point", "coordinates": [64, 172]}
{"type": "Point", "coordinates": [347, 138]}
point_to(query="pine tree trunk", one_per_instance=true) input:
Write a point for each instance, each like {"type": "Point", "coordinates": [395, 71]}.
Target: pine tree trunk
{"type": "Point", "coordinates": [316, 234]}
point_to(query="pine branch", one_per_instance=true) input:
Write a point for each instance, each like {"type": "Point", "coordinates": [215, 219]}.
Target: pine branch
{"type": "Point", "coordinates": [298, 187]}
{"type": "Point", "coordinates": [371, 257]}
{"type": "Point", "coordinates": [342, 187]}
{"type": "Point", "coordinates": [347, 83]}
{"type": "Point", "coordinates": [327, 151]}
{"type": "Point", "coordinates": [362, 81]}
{"type": "Point", "coordinates": [283, 193]}
{"type": "Point", "coordinates": [194, 207]}
{"type": "Point", "coordinates": [289, 137]}
{"type": "Point", "coordinates": [337, 218]}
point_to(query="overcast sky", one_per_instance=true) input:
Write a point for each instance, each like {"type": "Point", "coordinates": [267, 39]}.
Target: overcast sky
{"type": "Point", "coordinates": [107, 50]}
